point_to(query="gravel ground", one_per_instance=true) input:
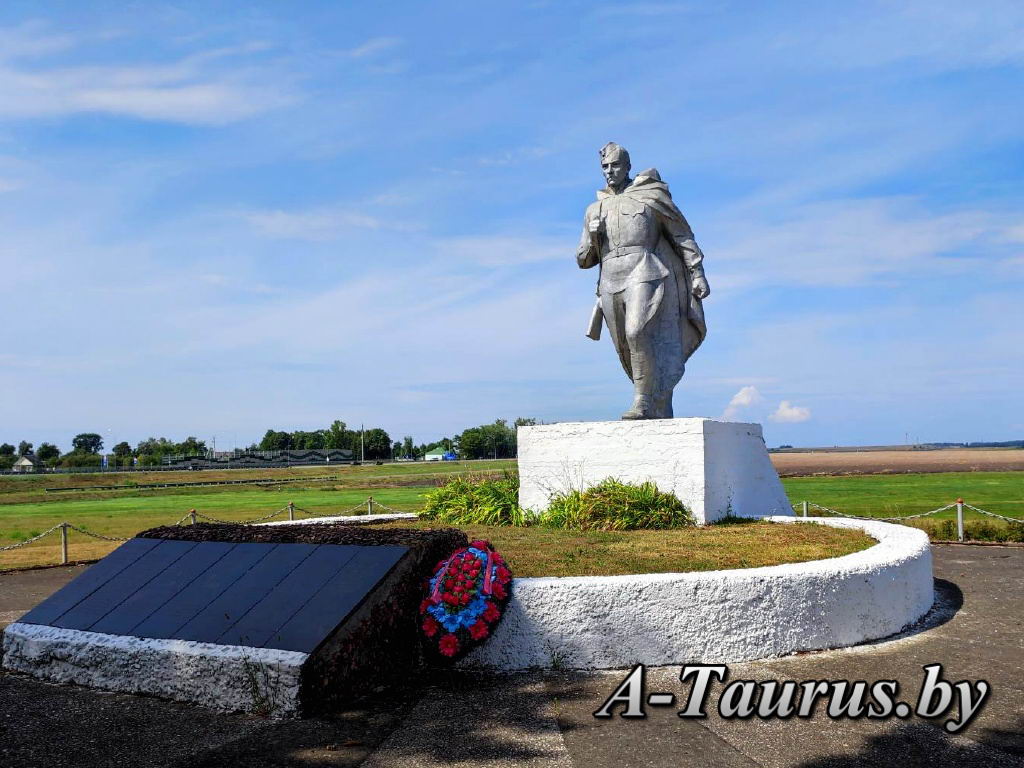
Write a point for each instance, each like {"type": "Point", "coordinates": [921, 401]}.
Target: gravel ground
{"type": "Point", "coordinates": [52, 726]}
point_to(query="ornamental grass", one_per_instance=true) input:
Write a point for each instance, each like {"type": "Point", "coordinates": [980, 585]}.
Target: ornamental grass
{"type": "Point", "coordinates": [613, 505]}
{"type": "Point", "coordinates": [478, 501]}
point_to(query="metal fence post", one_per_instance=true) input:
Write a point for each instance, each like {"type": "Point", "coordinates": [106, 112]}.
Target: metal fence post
{"type": "Point", "coordinates": [959, 519]}
{"type": "Point", "coordinates": [369, 506]}
{"type": "Point", "coordinates": [805, 508]}
{"type": "Point", "coordinates": [291, 510]}
{"type": "Point", "coordinates": [192, 516]}
{"type": "Point", "coordinates": [63, 543]}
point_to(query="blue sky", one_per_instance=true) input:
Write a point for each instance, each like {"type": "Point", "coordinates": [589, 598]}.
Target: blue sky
{"type": "Point", "coordinates": [222, 217]}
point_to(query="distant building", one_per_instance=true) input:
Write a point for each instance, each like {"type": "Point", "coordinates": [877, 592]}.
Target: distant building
{"type": "Point", "coordinates": [439, 454]}
{"type": "Point", "coordinates": [26, 464]}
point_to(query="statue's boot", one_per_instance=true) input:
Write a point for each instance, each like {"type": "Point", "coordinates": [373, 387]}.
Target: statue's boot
{"type": "Point", "coordinates": [663, 406]}
{"type": "Point", "coordinates": [642, 408]}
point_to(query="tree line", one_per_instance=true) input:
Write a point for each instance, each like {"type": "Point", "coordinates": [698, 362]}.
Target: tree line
{"type": "Point", "coordinates": [496, 440]}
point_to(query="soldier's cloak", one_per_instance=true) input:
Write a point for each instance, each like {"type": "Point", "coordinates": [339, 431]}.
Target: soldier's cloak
{"type": "Point", "coordinates": [648, 188]}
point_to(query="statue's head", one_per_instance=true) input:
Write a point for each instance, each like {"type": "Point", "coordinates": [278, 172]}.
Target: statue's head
{"type": "Point", "coordinates": [614, 164]}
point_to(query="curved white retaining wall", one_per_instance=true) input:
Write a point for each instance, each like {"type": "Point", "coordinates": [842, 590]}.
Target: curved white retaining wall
{"type": "Point", "coordinates": [604, 622]}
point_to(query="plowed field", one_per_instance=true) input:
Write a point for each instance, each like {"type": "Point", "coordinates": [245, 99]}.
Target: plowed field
{"type": "Point", "coordinates": [854, 462]}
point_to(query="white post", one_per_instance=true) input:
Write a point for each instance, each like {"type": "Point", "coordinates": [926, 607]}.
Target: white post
{"type": "Point", "coordinates": [63, 543]}
{"type": "Point", "coordinates": [291, 510]}
{"type": "Point", "coordinates": [192, 515]}
{"type": "Point", "coordinates": [369, 506]}
{"type": "Point", "coordinates": [805, 508]}
{"type": "Point", "coordinates": [959, 519]}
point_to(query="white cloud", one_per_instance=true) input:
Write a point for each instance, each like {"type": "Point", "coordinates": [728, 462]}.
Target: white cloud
{"type": "Point", "coordinates": [373, 46]}
{"type": "Point", "coordinates": [316, 225]}
{"type": "Point", "coordinates": [29, 40]}
{"type": "Point", "coordinates": [194, 89]}
{"type": "Point", "coordinates": [746, 397]}
{"type": "Point", "coordinates": [515, 156]}
{"type": "Point", "coordinates": [941, 35]}
{"type": "Point", "coordinates": [787, 413]}
{"type": "Point", "coordinates": [507, 250]}
{"type": "Point", "coordinates": [634, 10]}
{"type": "Point", "coordinates": [855, 242]}
{"type": "Point", "coordinates": [1013, 234]}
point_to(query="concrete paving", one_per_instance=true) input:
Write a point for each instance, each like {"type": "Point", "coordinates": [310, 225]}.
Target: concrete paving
{"type": "Point", "coordinates": [466, 718]}
{"type": "Point", "coordinates": [21, 590]}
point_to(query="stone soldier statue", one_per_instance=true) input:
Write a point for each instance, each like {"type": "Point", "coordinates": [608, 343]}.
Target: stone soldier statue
{"type": "Point", "coordinates": [651, 281]}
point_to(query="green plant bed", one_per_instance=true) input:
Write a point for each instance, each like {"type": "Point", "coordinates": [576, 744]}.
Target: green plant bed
{"type": "Point", "coordinates": [477, 499]}
{"type": "Point", "coordinates": [543, 551]}
{"type": "Point", "coordinates": [611, 505]}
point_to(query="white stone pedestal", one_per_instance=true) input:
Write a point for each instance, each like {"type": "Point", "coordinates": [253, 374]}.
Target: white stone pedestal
{"type": "Point", "coordinates": [716, 468]}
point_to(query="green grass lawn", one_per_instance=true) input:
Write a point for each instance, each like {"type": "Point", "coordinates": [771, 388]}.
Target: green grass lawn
{"type": "Point", "coordinates": [125, 513]}
{"type": "Point", "coordinates": [15, 489]}
{"type": "Point", "coordinates": [902, 495]}
{"type": "Point", "coordinates": [897, 495]}
{"type": "Point", "coordinates": [124, 516]}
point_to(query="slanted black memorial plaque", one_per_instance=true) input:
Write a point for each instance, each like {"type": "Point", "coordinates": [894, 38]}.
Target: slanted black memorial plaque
{"type": "Point", "coordinates": [345, 595]}
{"type": "Point", "coordinates": [258, 602]}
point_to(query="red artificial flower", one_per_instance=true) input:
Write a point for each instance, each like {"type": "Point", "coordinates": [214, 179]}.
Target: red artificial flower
{"type": "Point", "coordinates": [498, 589]}
{"type": "Point", "coordinates": [479, 544]}
{"type": "Point", "coordinates": [479, 630]}
{"type": "Point", "coordinates": [449, 583]}
{"type": "Point", "coordinates": [464, 598]}
{"type": "Point", "coordinates": [503, 573]}
{"type": "Point", "coordinates": [424, 605]}
{"type": "Point", "coordinates": [449, 645]}
{"type": "Point", "coordinates": [430, 626]}
{"type": "Point", "coordinates": [491, 612]}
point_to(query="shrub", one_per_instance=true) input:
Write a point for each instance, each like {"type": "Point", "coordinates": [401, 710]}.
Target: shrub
{"type": "Point", "coordinates": [612, 505]}
{"type": "Point", "coordinates": [974, 530]}
{"type": "Point", "coordinates": [478, 501]}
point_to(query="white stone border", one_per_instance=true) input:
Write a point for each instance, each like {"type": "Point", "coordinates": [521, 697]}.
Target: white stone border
{"type": "Point", "coordinates": [225, 677]}
{"type": "Point", "coordinates": [606, 622]}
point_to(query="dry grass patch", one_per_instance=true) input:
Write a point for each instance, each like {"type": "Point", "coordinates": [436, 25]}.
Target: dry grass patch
{"type": "Point", "coordinates": [557, 552]}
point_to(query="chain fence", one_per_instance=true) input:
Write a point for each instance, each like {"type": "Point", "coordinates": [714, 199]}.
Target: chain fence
{"type": "Point", "coordinates": [959, 504]}
{"type": "Point", "coordinates": [368, 507]}
{"type": "Point", "coordinates": [26, 542]}
{"type": "Point", "coordinates": [993, 514]}
{"type": "Point", "coordinates": [371, 506]}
